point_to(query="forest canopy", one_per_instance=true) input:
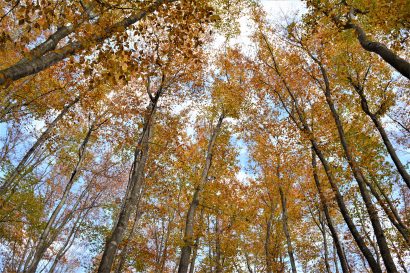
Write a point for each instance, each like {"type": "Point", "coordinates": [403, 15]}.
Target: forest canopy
{"type": "Point", "coordinates": [204, 136]}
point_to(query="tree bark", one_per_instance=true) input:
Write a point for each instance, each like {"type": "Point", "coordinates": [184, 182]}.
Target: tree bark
{"type": "Point", "coordinates": [194, 255]}
{"type": "Point", "coordinates": [358, 175]}
{"type": "Point", "coordinates": [40, 141]}
{"type": "Point", "coordinates": [218, 251]}
{"type": "Point", "coordinates": [379, 126]}
{"type": "Point", "coordinates": [124, 251]}
{"type": "Point", "coordinates": [46, 54]}
{"type": "Point", "coordinates": [196, 245]}
{"type": "Point", "coordinates": [325, 247]}
{"type": "Point", "coordinates": [301, 123]}
{"type": "Point", "coordinates": [70, 239]}
{"type": "Point", "coordinates": [44, 240]}
{"type": "Point", "coordinates": [268, 256]}
{"type": "Point", "coordinates": [190, 217]}
{"type": "Point", "coordinates": [391, 213]}
{"type": "Point", "coordinates": [398, 63]}
{"type": "Point", "coordinates": [286, 229]}
{"type": "Point", "coordinates": [248, 263]}
{"type": "Point", "coordinates": [134, 185]}
{"type": "Point", "coordinates": [333, 232]}
{"type": "Point", "coordinates": [164, 251]}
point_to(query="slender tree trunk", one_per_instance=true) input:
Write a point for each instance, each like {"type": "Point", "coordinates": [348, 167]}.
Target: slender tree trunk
{"type": "Point", "coordinates": [70, 240]}
{"type": "Point", "coordinates": [248, 263]}
{"type": "Point", "coordinates": [188, 234]}
{"type": "Point", "coordinates": [18, 171]}
{"type": "Point", "coordinates": [286, 230]}
{"type": "Point", "coordinates": [268, 255]}
{"type": "Point", "coordinates": [359, 177]}
{"type": "Point", "coordinates": [391, 208]}
{"type": "Point", "coordinates": [400, 167]}
{"type": "Point", "coordinates": [44, 241]}
{"type": "Point", "coordinates": [124, 252]}
{"type": "Point", "coordinates": [21, 262]}
{"type": "Point", "coordinates": [163, 257]}
{"type": "Point", "coordinates": [379, 126]}
{"type": "Point", "coordinates": [399, 257]}
{"type": "Point", "coordinates": [333, 232]}
{"type": "Point", "coordinates": [218, 252]}
{"type": "Point", "coordinates": [196, 245]}
{"type": "Point", "coordinates": [394, 218]}
{"type": "Point", "coordinates": [335, 259]}
{"type": "Point", "coordinates": [345, 213]}
{"type": "Point", "coordinates": [194, 255]}
{"type": "Point", "coordinates": [303, 126]}
{"type": "Point", "coordinates": [325, 247]}
{"type": "Point", "coordinates": [190, 218]}
{"type": "Point", "coordinates": [134, 185]}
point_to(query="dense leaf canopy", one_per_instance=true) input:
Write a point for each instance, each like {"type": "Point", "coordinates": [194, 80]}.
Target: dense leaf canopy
{"type": "Point", "coordinates": [154, 136]}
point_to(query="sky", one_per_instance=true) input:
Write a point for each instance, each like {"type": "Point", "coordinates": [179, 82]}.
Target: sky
{"type": "Point", "coordinates": [276, 10]}
{"type": "Point", "coordinates": [279, 7]}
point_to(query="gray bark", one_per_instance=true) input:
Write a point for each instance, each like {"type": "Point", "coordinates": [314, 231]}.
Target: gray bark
{"type": "Point", "coordinates": [190, 217]}
{"type": "Point", "coordinates": [358, 175]}
{"type": "Point", "coordinates": [196, 245]}
{"type": "Point", "coordinates": [46, 55]}
{"type": "Point", "coordinates": [333, 232]}
{"type": "Point", "coordinates": [379, 126]}
{"type": "Point", "coordinates": [325, 247]}
{"type": "Point", "coordinates": [134, 188]}
{"type": "Point", "coordinates": [267, 245]}
{"type": "Point", "coordinates": [298, 117]}
{"type": "Point", "coordinates": [44, 240]}
{"type": "Point", "coordinates": [124, 251]}
{"type": "Point", "coordinates": [398, 63]}
{"type": "Point", "coordinates": [286, 230]}
{"type": "Point", "coordinates": [18, 171]}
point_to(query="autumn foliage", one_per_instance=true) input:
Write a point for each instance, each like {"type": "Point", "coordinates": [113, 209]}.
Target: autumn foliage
{"type": "Point", "coordinates": [151, 136]}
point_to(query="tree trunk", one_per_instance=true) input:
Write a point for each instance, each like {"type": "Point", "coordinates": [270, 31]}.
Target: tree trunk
{"type": "Point", "coordinates": [391, 213]}
{"type": "Point", "coordinates": [333, 232]}
{"type": "Point", "coordinates": [124, 252]}
{"type": "Point", "coordinates": [196, 245]}
{"type": "Point", "coordinates": [339, 198]}
{"type": "Point", "coordinates": [286, 230]}
{"type": "Point", "coordinates": [359, 177]}
{"type": "Point", "coordinates": [70, 239]}
{"type": "Point", "coordinates": [335, 259]}
{"type": "Point", "coordinates": [379, 126]}
{"type": "Point", "coordinates": [134, 187]}
{"type": "Point", "coordinates": [44, 240]}
{"type": "Point", "coordinates": [194, 254]}
{"type": "Point", "coordinates": [325, 247]}
{"type": "Point", "coordinates": [49, 56]}
{"type": "Point", "coordinates": [400, 64]}
{"type": "Point", "coordinates": [248, 263]}
{"type": "Point", "coordinates": [218, 252]}
{"type": "Point", "coordinates": [190, 218]}
{"type": "Point", "coordinates": [164, 253]}
{"type": "Point", "coordinates": [304, 127]}
{"type": "Point", "coordinates": [345, 213]}
{"type": "Point", "coordinates": [268, 255]}
{"type": "Point", "coordinates": [17, 172]}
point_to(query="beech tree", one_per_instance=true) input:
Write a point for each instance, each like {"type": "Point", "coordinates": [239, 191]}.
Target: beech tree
{"type": "Point", "coordinates": [154, 136]}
